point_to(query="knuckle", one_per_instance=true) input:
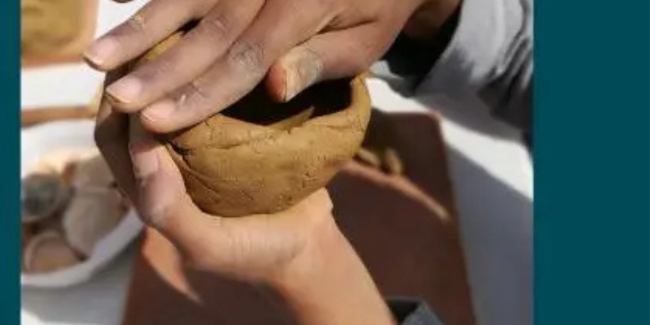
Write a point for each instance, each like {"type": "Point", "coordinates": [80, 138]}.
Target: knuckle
{"type": "Point", "coordinates": [214, 27]}
{"type": "Point", "coordinates": [361, 60]}
{"type": "Point", "coordinates": [248, 55]}
{"type": "Point", "coordinates": [164, 67]}
{"type": "Point", "coordinates": [137, 21]}
{"type": "Point", "coordinates": [136, 25]}
{"type": "Point", "coordinates": [197, 90]}
{"type": "Point", "coordinates": [154, 215]}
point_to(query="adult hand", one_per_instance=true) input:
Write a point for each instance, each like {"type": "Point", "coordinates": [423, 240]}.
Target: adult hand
{"type": "Point", "coordinates": [236, 44]}
{"type": "Point", "coordinates": [292, 251]}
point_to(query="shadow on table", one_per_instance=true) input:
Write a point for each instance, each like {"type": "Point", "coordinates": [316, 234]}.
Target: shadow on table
{"type": "Point", "coordinates": [468, 112]}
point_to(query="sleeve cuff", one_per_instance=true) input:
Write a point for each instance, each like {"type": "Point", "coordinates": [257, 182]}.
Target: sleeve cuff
{"type": "Point", "coordinates": [412, 312]}
{"type": "Point", "coordinates": [474, 53]}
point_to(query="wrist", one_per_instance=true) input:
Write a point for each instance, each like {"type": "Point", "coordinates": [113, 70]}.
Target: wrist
{"type": "Point", "coordinates": [328, 284]}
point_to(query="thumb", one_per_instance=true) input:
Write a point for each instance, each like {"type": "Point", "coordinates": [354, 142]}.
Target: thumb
{"type": "Point", "coordinates": [246, 247]}
{"type": "Point", "coordinates": [332, 55]}
{"type": "Point", "coordinates": [160, 195]}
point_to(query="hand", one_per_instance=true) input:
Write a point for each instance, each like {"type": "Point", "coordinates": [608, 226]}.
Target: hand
{"type": "Point", "coordinates": [294, 43]}
{"type": "Point", "coordinates": [255, 248]}
{"type": "Point", "coordinates": [293, 251]}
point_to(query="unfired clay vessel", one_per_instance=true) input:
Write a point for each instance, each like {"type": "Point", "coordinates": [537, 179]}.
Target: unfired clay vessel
{"type": "Point", "coordinates": [258, 156]}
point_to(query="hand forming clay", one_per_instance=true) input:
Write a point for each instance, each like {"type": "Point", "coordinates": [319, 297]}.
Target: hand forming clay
{"type": "Point", "coordinates": [258, 156]}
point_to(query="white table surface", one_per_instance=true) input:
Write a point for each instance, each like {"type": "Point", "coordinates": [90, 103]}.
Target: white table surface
{"type": "Point", "coordinates": [490, 169]}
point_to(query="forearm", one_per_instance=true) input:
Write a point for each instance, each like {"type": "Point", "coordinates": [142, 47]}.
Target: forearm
{"type": "Point", "coordinates": [331, 286]}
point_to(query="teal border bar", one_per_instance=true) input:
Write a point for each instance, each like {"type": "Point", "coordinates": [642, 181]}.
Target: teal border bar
{"type": "Point", "coordinates": [9, 162]}
{"type": "Point", "coordinates": [591, 147]}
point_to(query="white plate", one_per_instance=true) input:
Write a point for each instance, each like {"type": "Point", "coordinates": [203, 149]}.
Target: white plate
{"type": "Point", "coordinates": [41, 140]}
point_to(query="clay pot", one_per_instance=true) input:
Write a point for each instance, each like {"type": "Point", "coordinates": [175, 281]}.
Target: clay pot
{"type": "Point", "coordinates": [92, 214]}
{"type": "Point", "coordinates": [258, 156]}
{"type": "Point", "coordinates": [48, 252]}
{"type": "Point", "coordinates": [42, 196]}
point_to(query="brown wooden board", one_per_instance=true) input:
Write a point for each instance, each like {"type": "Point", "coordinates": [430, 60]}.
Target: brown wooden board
{"type": "Point", "coordinates": [408, 246]}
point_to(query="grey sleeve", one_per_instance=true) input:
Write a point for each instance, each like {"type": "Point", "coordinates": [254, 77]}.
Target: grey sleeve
{"type": "Point", "coordinates": [490, 55]}
{"type": "Point", "coordinates": [412, 312]}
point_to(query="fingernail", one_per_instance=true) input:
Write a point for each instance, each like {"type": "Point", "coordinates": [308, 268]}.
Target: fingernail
{"type": "Point", "coordinates": [302, 72]}
{"type": "Point", "coordinates": [290, 90]}
{"type": "Point", "coordinates": [101, 51]}
{"type": "Point", "coordinates": [159, 111]}
{"type": "Point", "coordinates": [144, 158]}
{"type": "Point", "coordinates": [125, 90]}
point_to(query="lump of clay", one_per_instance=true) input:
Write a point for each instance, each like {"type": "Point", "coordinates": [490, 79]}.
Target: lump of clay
{"type": "Point", "coordinates": [91, 215]}
{"type": "Point", "coordinates": [258, 156]}
{"type": "Point", "coordinates": [50, 25]}
{"type": "Point", "coordinates": [42, 196]}
{"type": "Point", "coordinates": [48, 252]}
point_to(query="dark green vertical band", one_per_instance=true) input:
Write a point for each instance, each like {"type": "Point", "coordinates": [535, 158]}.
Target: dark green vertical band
{"type": "Point", "coordinates": [592, 109]}
{"type": "Point", "coordinates": [9, 160]}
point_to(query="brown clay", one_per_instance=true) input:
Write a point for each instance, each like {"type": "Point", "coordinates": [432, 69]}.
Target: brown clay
{"type": "Point", "coordinates": [258, 156]}
{"type": "Point", "coordinates": [55, 31]}
{"type": "Point", "coordinates": [49, 25]}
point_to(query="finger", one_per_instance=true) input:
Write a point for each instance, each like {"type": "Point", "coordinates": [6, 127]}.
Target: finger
{"type": "Point", "coordinates": [155, 21]}
{"type": "Point", "coordinates": [333, 55]}
{"type": "Point", "coordinates": [237, 247]}
{"type": "Point", "coordinates": [162, 202]}
{"type": "Point", "coordinates": [111, 137]}
{"type": "Point", "coordinates": [158, 183]}
{"type": "Point", "coordinates": [238, 71]}
{"type": "Point", "coordinates": [252, 244]}
{"type": "Point", "coordinates": [187, 58]}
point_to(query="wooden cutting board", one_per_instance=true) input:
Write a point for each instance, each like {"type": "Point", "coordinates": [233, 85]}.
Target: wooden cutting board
{"type": "Point", "coordinates": [405, 232]}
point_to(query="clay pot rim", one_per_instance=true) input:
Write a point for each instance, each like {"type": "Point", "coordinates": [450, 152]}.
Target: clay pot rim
{"type": "Point", "coordinates": [359, 100]}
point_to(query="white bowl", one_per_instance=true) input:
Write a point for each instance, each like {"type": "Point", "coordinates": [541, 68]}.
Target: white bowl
{"type": "Point", "coordinates": [43, 139]}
